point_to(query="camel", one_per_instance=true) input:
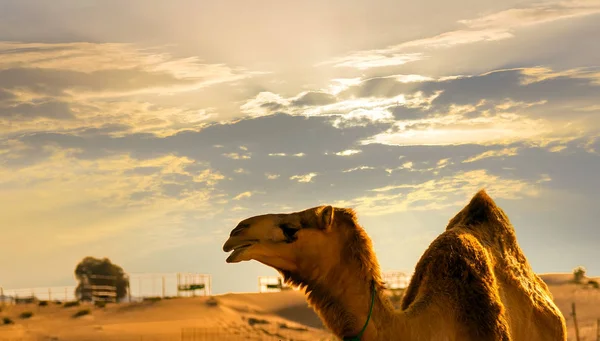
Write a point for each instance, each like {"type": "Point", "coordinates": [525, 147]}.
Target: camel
{"type": "Point", "coordinates": [473, 283]}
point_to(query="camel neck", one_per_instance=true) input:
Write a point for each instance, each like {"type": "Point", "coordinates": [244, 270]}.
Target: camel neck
{"type": "Point", "coordinates": [362, 331]}
{"type": "Point", "coordinates": [347, 302]}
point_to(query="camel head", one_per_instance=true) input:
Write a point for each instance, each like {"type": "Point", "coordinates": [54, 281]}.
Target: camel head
{"type": "Point", "coordinates": [305, 244]}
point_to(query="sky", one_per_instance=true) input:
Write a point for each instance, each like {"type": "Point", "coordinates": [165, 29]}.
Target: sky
{"type": "Point", "coordinates": [145, 130]}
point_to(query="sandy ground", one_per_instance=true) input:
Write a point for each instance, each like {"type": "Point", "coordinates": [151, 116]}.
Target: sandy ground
{"type": "Point", "coordinates": [587, 304]}
{"type": "Point", "coordinates": [251, 316]}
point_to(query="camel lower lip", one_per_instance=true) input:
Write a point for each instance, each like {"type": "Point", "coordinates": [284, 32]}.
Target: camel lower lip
{"type": "Point", "coordinates": [233, 257]}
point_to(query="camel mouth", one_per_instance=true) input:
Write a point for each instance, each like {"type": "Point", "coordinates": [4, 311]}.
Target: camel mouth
{"type": "Point", "coordinates": [238, 248]}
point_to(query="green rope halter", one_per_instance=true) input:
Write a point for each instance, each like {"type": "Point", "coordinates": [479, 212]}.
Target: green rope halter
{"type": "Point", "coordinates": [360, 334]}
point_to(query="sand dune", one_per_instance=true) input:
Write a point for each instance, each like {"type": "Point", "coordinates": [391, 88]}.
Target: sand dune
{"type": "Point", "coordinates": [269, 316]}
{"type": "Point", "coordinates": [249, 316]}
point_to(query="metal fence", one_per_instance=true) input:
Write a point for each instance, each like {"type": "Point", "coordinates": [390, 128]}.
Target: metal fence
{"type": "Point", "coordinates": [141, 285]}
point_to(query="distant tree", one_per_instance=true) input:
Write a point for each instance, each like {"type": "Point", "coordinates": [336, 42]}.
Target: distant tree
{"type": "Point", "coordinates": [579, 274]}
{"type": "Point", "coordinates": [90, 266]}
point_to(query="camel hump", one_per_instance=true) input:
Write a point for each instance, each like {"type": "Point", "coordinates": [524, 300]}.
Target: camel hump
{"type": "Point", "coordinates": [481, 210]}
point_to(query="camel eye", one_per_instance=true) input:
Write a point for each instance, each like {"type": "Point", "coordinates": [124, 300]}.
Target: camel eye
{"type": "Point", "coordinates": [288, 232]}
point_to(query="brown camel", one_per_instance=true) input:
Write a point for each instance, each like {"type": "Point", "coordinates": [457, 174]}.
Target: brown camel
{"type": "Point", "coordinates": [473, 283]}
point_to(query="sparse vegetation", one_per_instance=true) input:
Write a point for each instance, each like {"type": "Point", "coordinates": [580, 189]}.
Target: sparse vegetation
{"type": "Point", "coordinates": [7, 320]}
{"type": "Point", "coordinates": [43, 303]}
{"type": "Point", "coordinates": [152, 299]}
{"type": "Point", "coordinates": [82, 312]}
{"type": "Point", "coordinates": [71, 304]}
{"type": "Point", "coordinates": [100, 304]}
{"type": "Point", "coordinates": [578, 274]}
{"type": "Point", "coordinates": [252, 321]}
{"type": "Point", "coordinates": [100, 272]}
{"type": "Point", "coordinates": [594, 284]}
{"type": "Point", "coordinates": [26, 314]}
{"type": "Point", "coordinates": [57, 302]}
{"type": "Point", "coordinates": [212, 302]}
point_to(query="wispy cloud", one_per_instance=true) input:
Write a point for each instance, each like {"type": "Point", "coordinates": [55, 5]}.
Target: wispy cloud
{"type": "Point", "coordinates": [374, 58]}
{"type": "Point", "coordinates": [455, 129]}
{"type": "Point", "coordinates": [348, 152]}
{"type": "Point", "coordinates": [63, 87]}
{"type": "Point", "coordinates": [86, 201]}
{"type": "Point", "coordinates": [304, 178]}
{"type": "Point", "coordinates": [493, 27]}
{"type": "Point", "coordinates": [243, 195]}
{"type": "Point", "coordinates": [493, 153]}
{"type": "Point", "coordinates": [441, 193]}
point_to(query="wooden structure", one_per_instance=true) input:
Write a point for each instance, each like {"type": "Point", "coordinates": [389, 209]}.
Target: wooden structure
{"type": "Point", "coordinates": [188, 284]}
{"type": "Point", "coordinates": [99, 288]}
{"type": "Point", "coordinates": [395, 281]}
{"type": "Point", "coordinates": [271, 284]}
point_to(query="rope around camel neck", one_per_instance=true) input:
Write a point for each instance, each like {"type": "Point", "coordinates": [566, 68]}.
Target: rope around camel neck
{"type": "Point", "coordinates": [360, 334]}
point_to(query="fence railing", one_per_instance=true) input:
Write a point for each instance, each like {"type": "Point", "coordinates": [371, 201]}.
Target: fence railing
{"type": "Point", "coordinates": [141, 285]}
{"type": "Point", "coordinates": [65, 293]}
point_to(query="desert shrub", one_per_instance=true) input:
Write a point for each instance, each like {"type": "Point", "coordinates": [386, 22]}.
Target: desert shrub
{"type": "Point", "coordinates": [57, 302]}
{"type": "Point", "coordinates": [594, 284]}
{"type": "Point", "coordinates": [7, 320]}
{"type": "Point", "coordinates": [26, 314]}
{"type": "Point", "coordinates": [100, 304]}
{"type": "Point", "coordinates": [82, 312]}
{"type": "Point", "coordinates": [71, 304]}
{"type": "Point", "coordinates": [152, 299]}
{"type": "Point", "coordinates": [578, 274]}
{"type": "Point", "coordinates": [43, 303]}
{"type": "Point", "coordinates": [212, 302]}
{"type": "Point", "coordinates": [252, 321]}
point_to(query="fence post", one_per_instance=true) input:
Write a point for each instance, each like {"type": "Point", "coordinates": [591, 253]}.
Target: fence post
{"type": "Point", "coordinates": [163, 286]}
{"type": "Point", "coordinates": [574, 313]}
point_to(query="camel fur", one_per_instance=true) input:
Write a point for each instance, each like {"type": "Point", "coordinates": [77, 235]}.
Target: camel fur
{"type": "Point", "coordinates": [473, 283]}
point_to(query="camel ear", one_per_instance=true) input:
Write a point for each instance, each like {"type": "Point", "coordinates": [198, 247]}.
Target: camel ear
{"type": "Point", "coordinates": [326, 217]}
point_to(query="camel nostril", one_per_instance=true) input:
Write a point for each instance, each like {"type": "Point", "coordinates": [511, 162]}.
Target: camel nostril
{"type": "Point", "coordinates": [238, 229]}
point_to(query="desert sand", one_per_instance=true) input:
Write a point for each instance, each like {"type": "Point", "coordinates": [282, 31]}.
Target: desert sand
{"type": "Point", "coordinates": [243, 316]}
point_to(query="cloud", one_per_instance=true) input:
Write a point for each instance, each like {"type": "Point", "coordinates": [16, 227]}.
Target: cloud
{"type": "Point", "coordinates": [493, 153]}
{"type": "Point", "coordinates": [312, 98]}
{"type": "Point", "coordinates": [303, 178]}
{"type": "Point", "coordinates": [348, 152]}
{"type": "Point", "coordinates": [73, 201]}
{"type": "Point", "coordinates": [237, 156]}
{"type": "Point", "coordinates": [536, 14]}
{"type": "Point", "coordinates": [271, 176]}
{"type": "Point", "coordinates": [455, 129]}
{"type": "Point", "coordinates": [98, 68]}
{"type": "Point", "coordinates": [497, 107]}
{"type": "Point", "coordinates": [493, 27]}
{"type": "Point", "coordinates": [27, 111]}
{"type": "Point", "coordinates": [448, 191]}
{"type": "Point", "coordinates": [374, 58]}
{"type": "Point", "coordinates": [243, 195]}
{"type": "Point", "coordinates": [66, 86]}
